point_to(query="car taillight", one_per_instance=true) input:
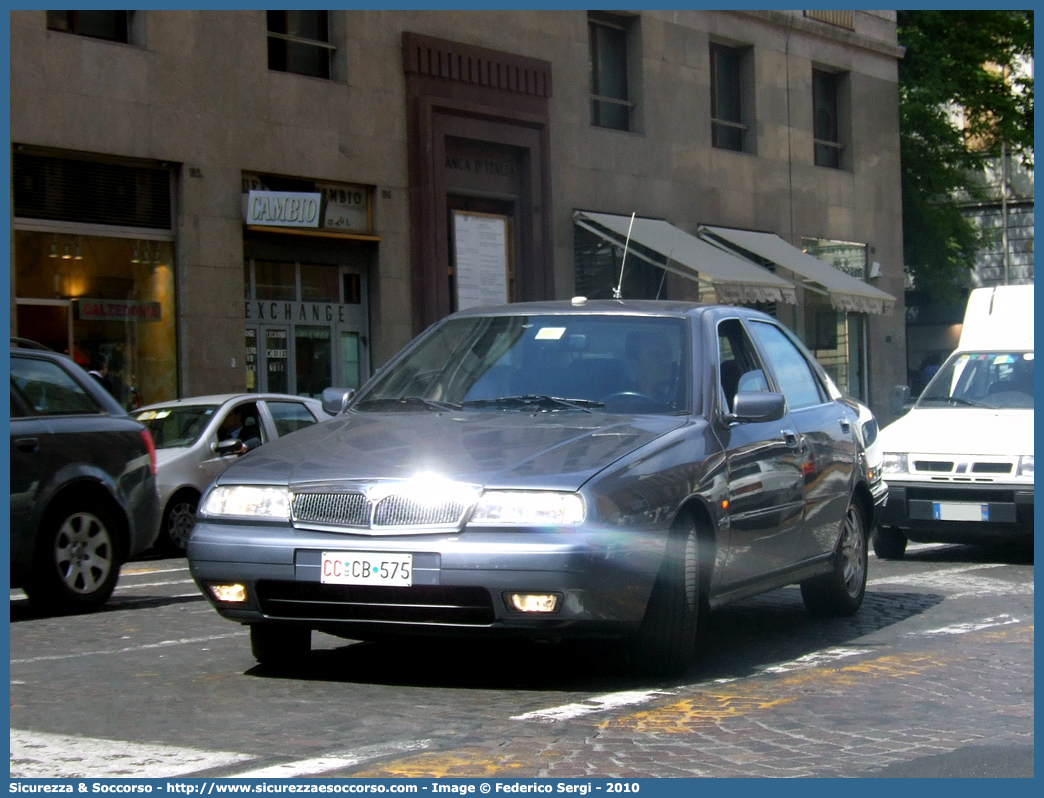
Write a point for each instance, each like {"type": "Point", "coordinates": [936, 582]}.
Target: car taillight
{"type": "Point", "coordinates": [151, 447]}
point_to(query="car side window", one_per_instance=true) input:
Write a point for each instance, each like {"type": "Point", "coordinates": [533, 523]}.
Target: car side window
{"type": "Point", "coordinates": [739, 367]}
{"type": "Point", "coordinates": [48, 389]}
{"type": "Point", "coordinates": [796, 378]}
{"type": "Point", "coordinates": [290, 416]}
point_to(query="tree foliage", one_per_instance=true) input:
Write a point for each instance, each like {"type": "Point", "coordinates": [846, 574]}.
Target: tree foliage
{"type": "Point", "coordinates": [964, 91]}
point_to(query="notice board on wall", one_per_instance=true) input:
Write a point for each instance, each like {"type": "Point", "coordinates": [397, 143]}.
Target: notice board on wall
{"type": "Point", "coordinates": [480, 258]}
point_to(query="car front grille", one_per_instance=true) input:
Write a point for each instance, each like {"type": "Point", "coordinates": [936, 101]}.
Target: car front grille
{"type": "Point", "coordinates": [964, 470]}
{"type": "Point", "coordinates": [420, 604]}
{"type": "Point", "coordinates": [348, 509]}
{"type": "Point", "coordinates": [356, 510]}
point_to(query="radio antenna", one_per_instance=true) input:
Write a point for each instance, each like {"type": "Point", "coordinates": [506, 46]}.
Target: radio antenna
{"type": "Point", "coordinates": [623, 261]}
{"type": "Point", "coordinates": [664, 275]}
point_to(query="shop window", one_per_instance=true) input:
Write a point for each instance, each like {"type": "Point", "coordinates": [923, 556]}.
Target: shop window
{"type": "Point", "coordinates": [87, 295]}
{"type": "Point", "coordinates": [275, 280]}
{"type": "Point", "coordinates": [111, 25]}
{"type": "Point", "coordinates": [299, 42]}
{"type": "Point", "coordinates": [730, 112]}
{"type": "Point", "coordinates": [611, 102]}
{"type": "Point", "coordinates": [826, 118]}
{"type": "Point", "coordinates": [839, 339]}
{"type": "Point", "coordinates": [352, 289]}
{"type": "Point", "coordinates": [313, 357]}
{"type": "Point", "coordinates": [351, 368]}
{"type": "Point", "coordinates": [318, 283]}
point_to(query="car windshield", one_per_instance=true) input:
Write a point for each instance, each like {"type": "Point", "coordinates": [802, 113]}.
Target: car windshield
{"type": "Point", "coordinates": [173, 427]}
{"type": "Point", "coordinates": [982, 379]}
{"type": "Point", "coordinates": [573, 362]}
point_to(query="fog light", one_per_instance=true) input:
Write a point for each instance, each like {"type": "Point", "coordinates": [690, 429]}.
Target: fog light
{"type": "Point", "coordinates": [533, 602]}
{"type": "Point", "coordinates": [231, 594]}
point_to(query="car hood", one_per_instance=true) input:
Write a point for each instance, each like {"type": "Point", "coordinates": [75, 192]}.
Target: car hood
{"type": "Point", "coordinates": [547, 450]}
{"type": "Point", "coordinates": [963, 430]}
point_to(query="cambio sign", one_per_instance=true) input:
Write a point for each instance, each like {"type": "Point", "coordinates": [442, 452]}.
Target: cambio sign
{"type": "Point", "coordinates": [283, 208]}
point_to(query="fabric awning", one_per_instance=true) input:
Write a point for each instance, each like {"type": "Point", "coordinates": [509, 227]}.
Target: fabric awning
{"type": "Point", "coordinates": [734, 279]}
{"type": "Point", "coordinates": [845, 292]}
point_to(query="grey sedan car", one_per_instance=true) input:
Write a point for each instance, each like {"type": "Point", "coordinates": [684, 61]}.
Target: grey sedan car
{"type": "Point", "coordinates": [195, 442]}
{"type": "Point", "coordinates": [83, 483]}
{"type": "Point", "coordinates": [550, 470]}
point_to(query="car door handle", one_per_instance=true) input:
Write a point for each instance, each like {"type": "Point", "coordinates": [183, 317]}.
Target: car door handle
{"type": "Point", "coordinates": [846, 425]}
{"type": "Point", "coordinates": [792, 439]}
{"type": "Point", "coordinates": [27, 444]}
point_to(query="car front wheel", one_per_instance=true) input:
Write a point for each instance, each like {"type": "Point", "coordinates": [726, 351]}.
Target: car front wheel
{"type": "Point", "coordinates": [178, 521]}
{"type": "Point", "coordinates": [889, 543]}
{"type": "Point", "coordinates": [76, 564]}
{"type": "Point", "coordinates": [666, 643]}
{"type": "Point", "coordinates": [840, 592]}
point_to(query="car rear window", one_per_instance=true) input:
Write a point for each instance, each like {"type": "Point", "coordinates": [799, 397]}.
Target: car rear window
{"type": "Point", "coordinates": [49, 390]}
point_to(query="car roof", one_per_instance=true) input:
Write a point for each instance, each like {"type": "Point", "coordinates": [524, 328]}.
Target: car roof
{"type": "Point", "coordinates": [224, 398]}
{"type": "Point", "coordinates": [582, 305]}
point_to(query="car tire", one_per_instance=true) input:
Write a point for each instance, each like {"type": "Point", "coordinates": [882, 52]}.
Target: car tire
{"type": "Point", "coordinates": [666, 643]}
{"type": "Point", "coordinates": [76, 565]}
{"type": "Point", "coordinates": [178, 520]}
{"type": "Point", "coordinates": [280, 648]}
{"type": "Point", "coordinates": [889, 543]}
{"type": "Point", "coordinates": [840, 592]}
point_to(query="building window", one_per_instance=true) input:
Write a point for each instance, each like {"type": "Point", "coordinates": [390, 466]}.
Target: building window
{"type": "Point", "coordinates": [728, 118]}
{"type": "Point", "coordinates": [826, 122]}
{"type": "Point", "coordinates": [299, 42]}
{"type": "Point", "coordinates": [610, 102]}
{"type": "Point", "coordinates": [111, 25]}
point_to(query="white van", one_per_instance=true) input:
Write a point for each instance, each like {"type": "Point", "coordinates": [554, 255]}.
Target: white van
{"type": "Point", "coordinates": [959, 465]}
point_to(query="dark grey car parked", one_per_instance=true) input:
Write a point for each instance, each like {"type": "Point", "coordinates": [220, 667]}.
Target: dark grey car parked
{"type": "Point", "coordinates": [83, 484]}
{"type": "Point", "coordinates": [551, 470]}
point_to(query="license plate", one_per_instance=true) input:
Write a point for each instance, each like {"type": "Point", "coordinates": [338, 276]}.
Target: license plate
{"type": "Point", "coordinates": [960, 511]}
{"type": "Point", "coordinates": [366, 568]}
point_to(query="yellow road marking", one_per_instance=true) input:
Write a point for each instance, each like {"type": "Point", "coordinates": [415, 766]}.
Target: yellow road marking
{"type": "Point", "coordinates": [455, 765]}
{"type": "Point", "coordinates": [715, 704]}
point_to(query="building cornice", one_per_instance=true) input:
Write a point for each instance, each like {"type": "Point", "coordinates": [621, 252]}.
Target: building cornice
{"type": "Point", "coordinates": [824, 30]}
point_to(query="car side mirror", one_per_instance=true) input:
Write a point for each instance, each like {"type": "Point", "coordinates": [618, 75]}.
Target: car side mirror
{"type": "Point", "coordinates": [753, 406]}
{"type": "Point", "coordinates": [227, 447]}
{"type": "Point", "coordinates": [335, 400]}
{"type": "Point", "coordinates": [899, 400]}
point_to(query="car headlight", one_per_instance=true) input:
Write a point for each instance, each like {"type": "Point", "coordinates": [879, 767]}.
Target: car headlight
{"type": "Point", "coordinates": [1026, 466]}
{"type": "Point", "coordinates": [247, 501]}
{"type": "Point", "coordinates": [528, 508]}
{"type": "Point", "coordinates": [893, 463]}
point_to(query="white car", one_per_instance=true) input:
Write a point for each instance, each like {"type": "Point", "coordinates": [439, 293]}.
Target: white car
{"type": "Point", "coordinates": [193, 446]}
{"type": "Point", "coordinates": [960, 463]}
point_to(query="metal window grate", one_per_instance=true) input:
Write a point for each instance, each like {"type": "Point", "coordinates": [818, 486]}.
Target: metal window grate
{"type": "Point", "coordinates": [839, 17]}
{"type": "Point", "coordinates": [91, 192]}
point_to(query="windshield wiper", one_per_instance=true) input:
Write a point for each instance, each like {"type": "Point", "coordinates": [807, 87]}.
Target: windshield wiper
{"type": "Point", "coordinates": [534, 400]}
{"type": "Point", "coordinates": [953, 400]}
{"type": "Point", "coordinates": [408, 401]}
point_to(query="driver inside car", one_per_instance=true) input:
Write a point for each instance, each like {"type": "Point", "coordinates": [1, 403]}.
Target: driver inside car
{"type": "Point", "coordinates": [652, 369]}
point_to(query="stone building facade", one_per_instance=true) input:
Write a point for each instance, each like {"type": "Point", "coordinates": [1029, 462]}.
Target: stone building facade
{"type": "Point", "coordinates": [229, 200]}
